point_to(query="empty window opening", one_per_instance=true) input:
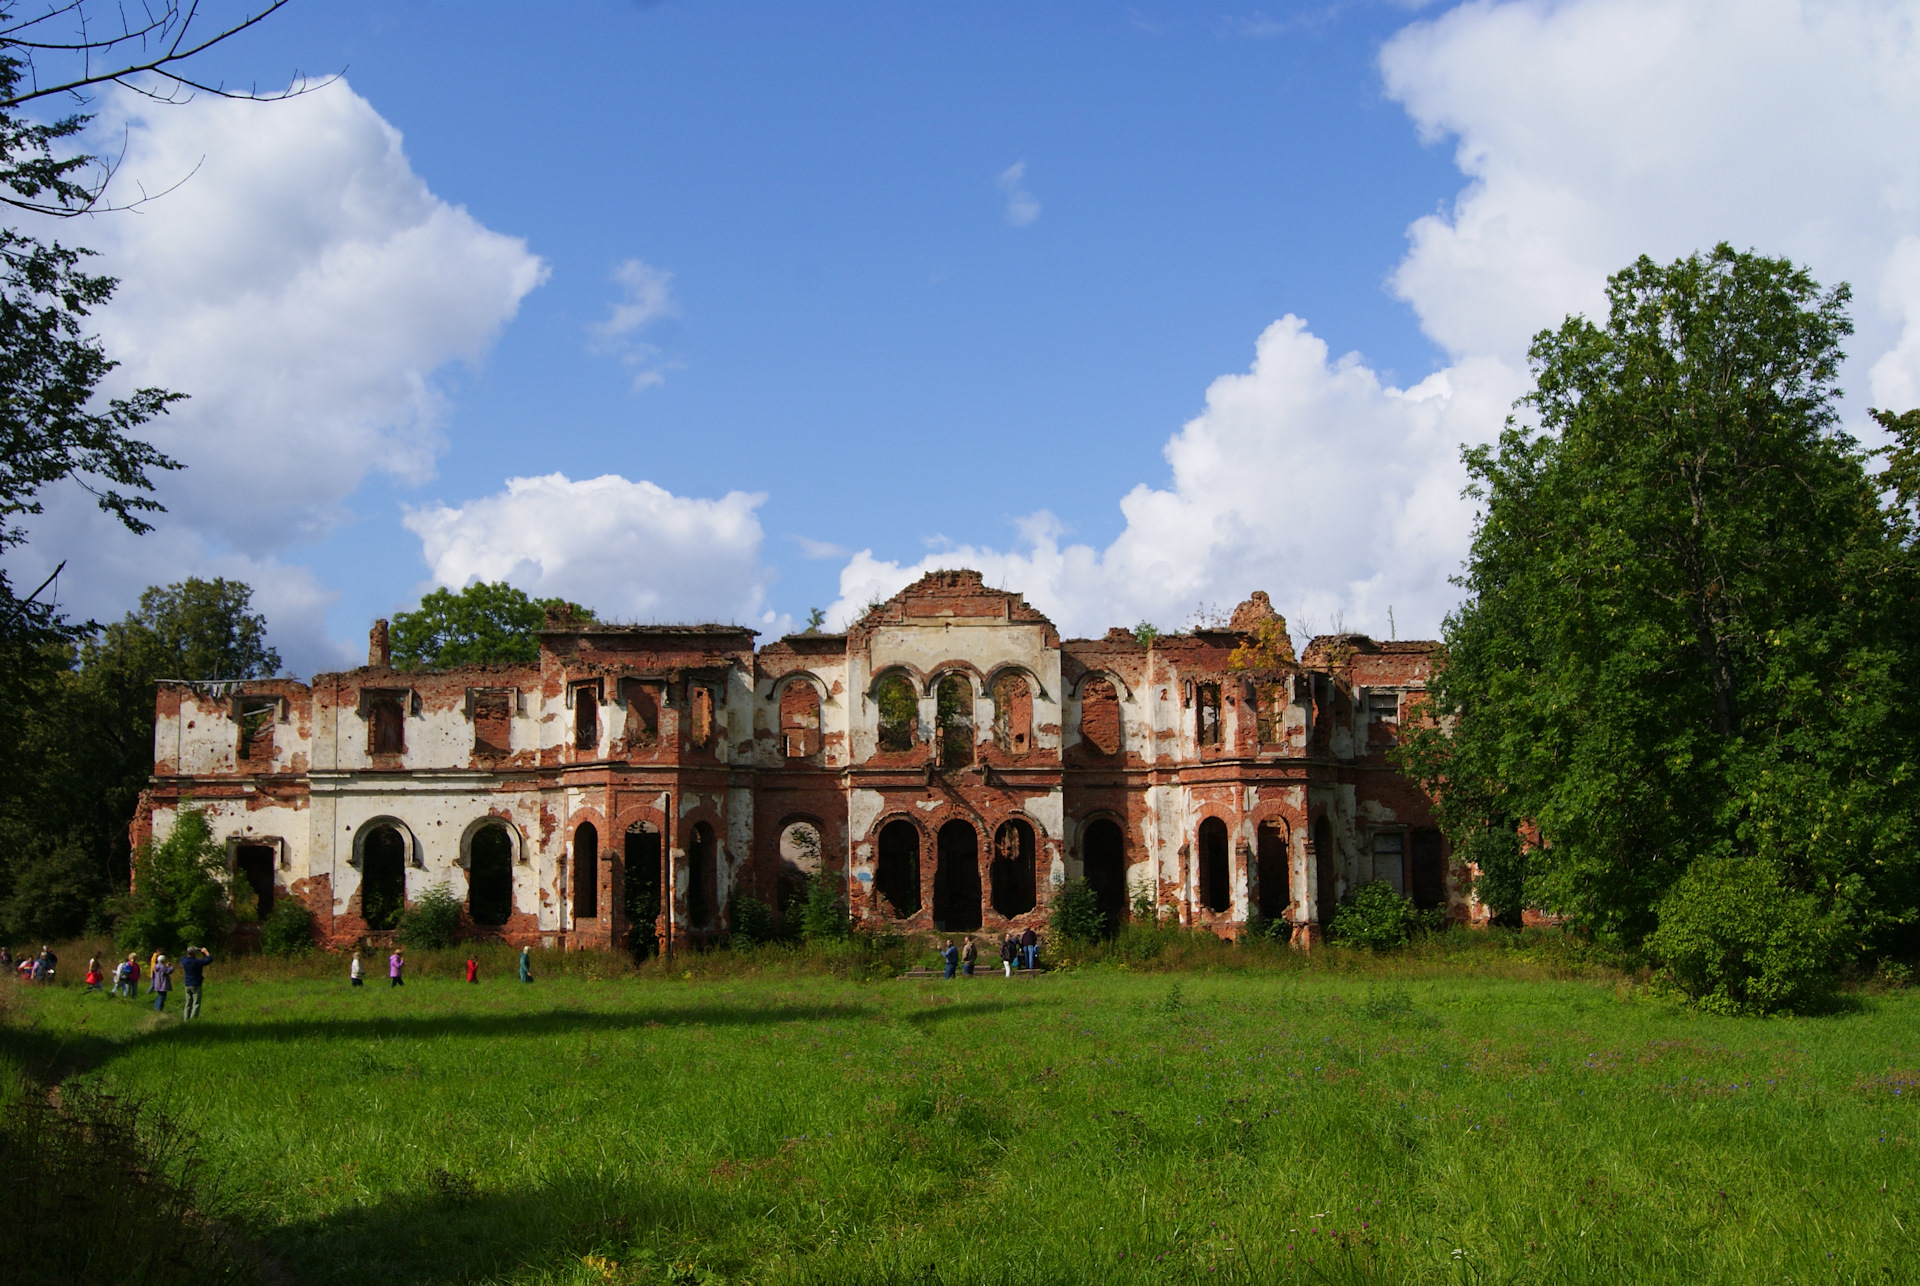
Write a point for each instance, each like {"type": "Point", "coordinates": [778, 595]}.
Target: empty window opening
{"type": "Point", "coordinates": [1272, 870]}
{"type": "Point", "coordinates": [702, 704]}
{"type": "Point", "coordinates": [1426, 869]}
{"type": "Point", "coordinates": [643, 716]}
{"type": "Point", "coordinates": [492, 722]}
{"type": "Point", "coordinates": [383, 878]}
{"type": "Point", "coordinates": [953, 714]}
{"type": "Point", "coordinates": [253, 891]}
{"type": "Point", "coordinates": [1011, 874]}
{"type": "Point", "coordinates": [956, 877]}
{"type": "Point", "coordinates": [1216, 893]}
{"type": "Point", "coordinates": [799, 720]}
{"type": "Point", "coordinates": [1100, 717]}
{"type": "Point", "coordinates": [700, 875]}
{"type": "Point", "coordinates": [899, 713]}
{"type": "Point", "coordinates": [1390, 859]}
{"type": "Point", "coordinates": [1207, 721]}
{"type": "Point", "coordinates": [799, 864]}
{"type": "Point", "coordinates": [586, 717]}
{"type": "Point", "coordinates": [1103, 858]}
{"type": "Point", "coordinates": [1326, 882]}
{"type": "Point", "coordinates": [586, 873]}
{"type": "Point", "coordinates": [1271, 699]}
{"type": "Point", "coordinates": [896, 877]}
{"type": "Point", "coordinates": [1384, 707]}
{"type": "Point", "coordinates": [1012, 715]}
{"type": "Point", "coordinates": [386, 724]}
{"type": "Point", "coordinates": [642, 894]}
{"type": "Point", "coordinates": [256, 715]}
{"type": "Point", "coordinates": [490, 877]}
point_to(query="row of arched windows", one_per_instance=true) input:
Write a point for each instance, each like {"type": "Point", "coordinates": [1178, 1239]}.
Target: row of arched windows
{"type": "Point", "coordinates": [383, 876]}
{"type": "Point", "coordinates": [642, 858]}
{"type": "Point", "coordinates": [1012, 884]}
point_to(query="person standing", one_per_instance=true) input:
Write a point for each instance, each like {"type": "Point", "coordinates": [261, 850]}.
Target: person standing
{"type": "Point", "coordinates": [396, 964]}
{"type": "Point", "coordinates": [356, 971]}
{"type": "Point", "coordinates": [1007, 953]}
{"type": "Point", "coordinates": [129, 977]}
{"type": "Point", "coordinates": [193, 974]}
{"type": "Point", "coordinates": [162, 982]}
{"type": "Point", "coordinates": [968, 954]}
{"type": "Point", "coordinates": [1029, 948]}
{"type": "Point", "coordinates": [153, 964]}
{"type": "Point", "coordinates": [948, 956]}
{"type": "Point", "coordinates": [526, 964]}
{"type": "Point", "coordinates": [51, 962]}
{"type": "Point", "coordinates": [473, 970]}
{"type": "Point", "coordinates": [93, 973]}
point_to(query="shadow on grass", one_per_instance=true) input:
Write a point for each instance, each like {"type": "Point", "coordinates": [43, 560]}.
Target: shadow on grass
{"type": "Point", "coordinates": [961, 1009]}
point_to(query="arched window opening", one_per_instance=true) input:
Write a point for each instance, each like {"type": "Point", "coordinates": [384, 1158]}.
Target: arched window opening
{"type": "Point", "coordinates": [490, 877]}
{"type": "Point", "coordinates": [956, 877]}
{"type": "Point", "coordinates": [1207, 720]}
{"type": "Point", "coordinates": [702, 715]}
{"type": "Point", "coordinates": [643, 716]}
{"type": "Point", "coordinates": [1216, 893]}
{"type": "Point", "coordinates": [1103, 858]}
{"type": "Point", "coordinates": [642, 893]}
{"type": "Point", "coordinates": [953, 714]}
{"type": "Point", "coordinates": [1427, 878]}
{"type": "Point", "coordinates": [383, 878]}
{"type": "Point", "coordinates": [700, 876]}
{"type": "Point", "coordinates": [586, 717]}
{"type": "Point", "coordinates": [1390, 859]}
{"type": "Point", "coordinates": [386, 724]}
{"type": "Point", "coordinates": [799, 863]}
{"type": "Point", "coordinates": [897, 876]}
{"type": "Point", "coordinates": [1324, 877]}
{"type": "Point", "coordinates": [899, 712]}
{"type": "Point", "coordinates": [254, 863]}
{"type": "Point", "coordinates": [1012, 715]}
{"type": "Point", "coordinates": [586, 873]}
{"type": "Point", "coordinates": [1100, 717]}
{"type": "Point", "coordinates": [1011, 873]}
{"type": "Point", "coordinates": [1276, 895]}
{"type": "Point", "coordinates": [799, 720]}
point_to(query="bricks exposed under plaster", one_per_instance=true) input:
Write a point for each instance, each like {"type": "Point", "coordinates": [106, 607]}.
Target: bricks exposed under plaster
{"type": "Point", "coordinates": [683, 761]}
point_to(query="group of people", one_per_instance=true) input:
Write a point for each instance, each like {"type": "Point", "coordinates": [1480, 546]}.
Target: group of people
{"type": "Point", "coordinates": [161, 969]}
{"type": "Point", "coordinates": [30, 968]}
{"type": "Point", "coordinates": [397, 968]}
{"type": "Point", "coordinates": [1017, 951]}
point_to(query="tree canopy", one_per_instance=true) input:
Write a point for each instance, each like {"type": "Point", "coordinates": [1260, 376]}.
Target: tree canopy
{"type": "Point", "coordinates": [483, 624]}
{"type": "Point", "coordinates": [1689, 626]}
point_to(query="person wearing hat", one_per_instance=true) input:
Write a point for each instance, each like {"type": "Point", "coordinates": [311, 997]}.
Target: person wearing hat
{"type": "Point", "coordinates": [162, 981]}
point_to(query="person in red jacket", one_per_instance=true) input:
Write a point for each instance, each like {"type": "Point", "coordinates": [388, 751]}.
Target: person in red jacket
{"type": "Point", "coordinates": [473, 969]}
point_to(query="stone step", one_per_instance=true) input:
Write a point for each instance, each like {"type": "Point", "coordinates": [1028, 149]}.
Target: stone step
{"type": "Point", "coordinates": [980, 971]}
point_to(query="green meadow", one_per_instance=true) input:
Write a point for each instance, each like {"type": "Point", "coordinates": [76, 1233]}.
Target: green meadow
{"type": "Point", "coordinates": [1469, 1119]}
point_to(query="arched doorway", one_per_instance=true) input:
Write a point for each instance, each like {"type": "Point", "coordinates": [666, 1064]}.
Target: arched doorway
{"type": "Point", "coordinates": [1103, 859]}
{"type": "Point", "coordinates": [1216, 892]}
{"type": "Point", "coordinates": [956, 879]}
{"type": "Point", "coordinates": [700, 876]}
{"type": "Point", "coordinates": [1011, 873]}
{"type": "Point", "coordinates": [642, 893]}
{"type": "Point", "coordinates": [490, 877]}
{"type": "Point", "coordinates": [586, 873]}
{"type": "Point", "coordinates": [1323, 872]}
{"type": "Point", "coordinates": [1276, 896]}
{"type": "Point", "coordinates": [254, 863]}
{"type": "Point", "coordinates": [896, 878]}
{"type": "Point", "coordinates": [383, 877]}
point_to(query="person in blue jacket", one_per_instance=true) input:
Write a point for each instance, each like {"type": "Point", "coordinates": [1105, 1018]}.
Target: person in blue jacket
{"type": "Point", "coordinates": [193, 968]}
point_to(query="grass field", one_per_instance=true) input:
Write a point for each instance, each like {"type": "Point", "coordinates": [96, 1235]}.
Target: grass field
{"type": "Point", "coordinates": [1403, 1122]}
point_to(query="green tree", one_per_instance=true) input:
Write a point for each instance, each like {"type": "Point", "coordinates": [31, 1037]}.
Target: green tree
{"type": "Point", "coordinates": [823, 917]}
{"type": "Point", "coordinates": [483, 624]}
{"type": "Point", "coordinates": [1076, 915]}
{"type": "Point", "coordinates": [1689, 617]}
{"type": "Point", "coordinates": [179, 890]}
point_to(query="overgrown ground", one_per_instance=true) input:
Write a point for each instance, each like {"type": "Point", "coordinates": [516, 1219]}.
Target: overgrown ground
{"type": "Point", "coordinates": [1467, 1116]}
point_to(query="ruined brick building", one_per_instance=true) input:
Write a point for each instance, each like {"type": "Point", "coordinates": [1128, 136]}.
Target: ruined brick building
{"type": "Point", "coordinates": [949, 762]}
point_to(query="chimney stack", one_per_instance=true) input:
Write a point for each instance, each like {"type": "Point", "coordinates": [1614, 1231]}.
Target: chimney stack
{"type": "Point", "coordinates": [379, 651]}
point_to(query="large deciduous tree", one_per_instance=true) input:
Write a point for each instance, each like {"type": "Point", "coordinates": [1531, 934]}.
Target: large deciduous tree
{"type": "Point", "coordinates": [1689, 626]}
{"type": "Point", "coordinates": [482, 624]}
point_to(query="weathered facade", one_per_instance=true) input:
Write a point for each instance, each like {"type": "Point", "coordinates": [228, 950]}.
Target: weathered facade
{"type": "Point", "coordinates": [949, 763]}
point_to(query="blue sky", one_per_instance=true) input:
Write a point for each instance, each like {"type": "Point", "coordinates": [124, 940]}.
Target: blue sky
{"type": "Point", "coordinates": [926, 283]}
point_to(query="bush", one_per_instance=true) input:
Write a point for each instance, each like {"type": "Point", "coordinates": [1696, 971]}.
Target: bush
{"type": "Point", "coordinates": [1737, 940]}
{"type": "Point", "coordinates": [752, 921]}
{"type": "Point", "coordinates": [179, 890]}
{"type": "Point", "coordinates": [288, 930]}
{"type": "Point", "coordinates": [823, 918]}
{"type": "Point", "coordinates": [433, 920]}
{"type": "Point", "coordinates": [1076, 915]}
{"type": "Point", "coordinates": [1375, 917]}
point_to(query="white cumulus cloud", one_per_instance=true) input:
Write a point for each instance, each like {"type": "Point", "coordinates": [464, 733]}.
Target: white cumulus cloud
{"type": "Point", "coordinates": [303, 285]}
{"type": "Point", "coordinates": [646, 297]}
{"type": "Point", "coordinates": [1022, 206]}
{"type": "Point", "coordinates": [629, 549]}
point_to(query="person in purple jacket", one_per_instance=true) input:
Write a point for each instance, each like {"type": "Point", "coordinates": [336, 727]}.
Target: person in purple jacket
{"type": "Point", "coordinates": [395, 964]}
{"type": "Point", "coordinates": [162, 982]}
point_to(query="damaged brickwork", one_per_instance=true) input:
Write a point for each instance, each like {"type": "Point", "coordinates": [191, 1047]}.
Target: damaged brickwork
{"type": "Point", "coordinates": [949, 762]}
